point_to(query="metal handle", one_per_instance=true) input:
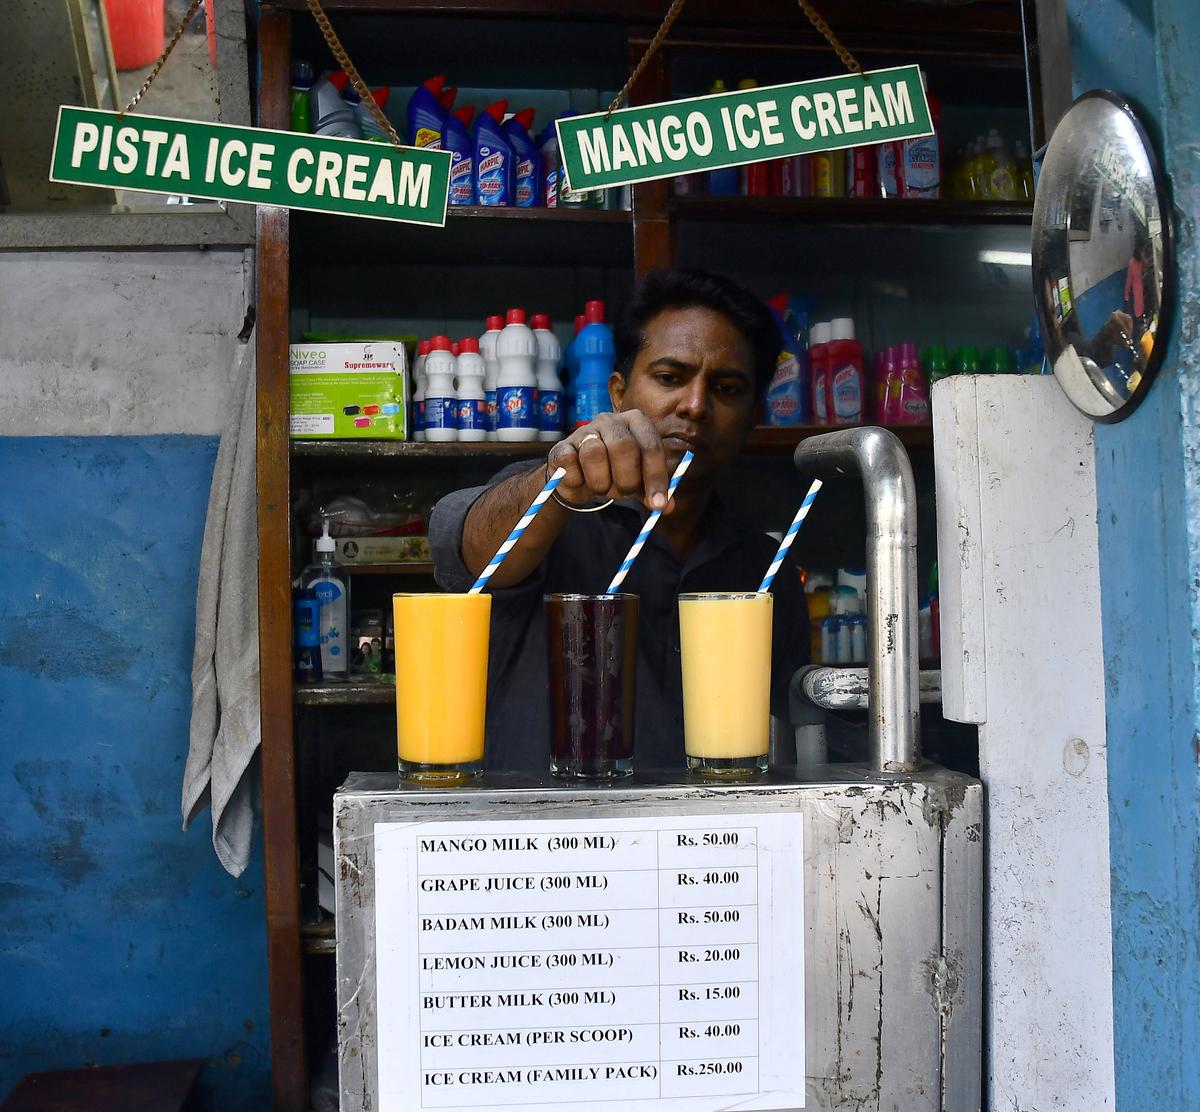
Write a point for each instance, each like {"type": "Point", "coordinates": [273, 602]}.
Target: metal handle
{"type": "Point", "coordinates": [879, 457]}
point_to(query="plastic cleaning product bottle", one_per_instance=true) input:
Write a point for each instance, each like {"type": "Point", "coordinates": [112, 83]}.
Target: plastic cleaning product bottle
{"type": "Point", "coordinates": [723, 182]}
{"type": "Point", "coordinates": [302, 82]}
{"type": "Point", "coordinates": [447, 97]}
{"type": "Point", "coordinates": [1024, 172]}
{"type": "Point", "coordinates": [571, 374]}
{"type": "Point", "coordinates": [937, 363]}
{"type": "Point", "coordinates": [420, 381]}
{"type": "Point", "coordinates": [788, 392]}
{"type": "Point", "coordinates": [967, 361]}
{"type": "Point", "coordinates": [425, 114]}
{"type": "Point", "coordinates": [846, 384]}
{"type": "Point", "coordinates": [818, 587]}
{"type": "Point", "coordinates": [472, 406]}
{"type": "Point", "coordinates": [366, 120]}
{"type": "Point", "coordinates": [332, 586]}
{"type": "Point", "coordinates": [550, 166]}
{"type": "Point", "coordinates": [525, 159]}
{"type": "Point", "coordinates": [306, 625]}
{"type": "Point", "coordinates": [491, 369]}
{"type": "Point", "coordinates": [549, 386]}
{"type": "Point", "coordinates": [328, 113]}
{"type": "Point", "coordinates": [576, 198]}
{"type": "Point", "coordinates": [864, 178]}
{"type": "Point", "coordinates": [493, 157]}
{"type": "Point", "coordinates": [919, 161]}
{"type": "Point", "coordinates": [1002, 174]}
{"type": "Point", "coordinates": [441, 410]}
{"type": "Point", "coordinates": [888, 178]}
{"type": "Point", "coordinates": [597, 356]}
{"type": "Point", "coordinates": [818, 361]}
{"type": "Point", "coordinates": [516, 388]}
{"type": "Point", "coordinates": [888, 386]}
{"type": "Point", "coordinates": [457, 140]}
{"type": "Point", "coordinates": [828, 173]}
{"type": "Point", "coordinates": [914, 394]}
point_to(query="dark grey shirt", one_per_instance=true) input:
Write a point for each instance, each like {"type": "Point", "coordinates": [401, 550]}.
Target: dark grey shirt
{"type": "Point", "coordinates": [731, 555]}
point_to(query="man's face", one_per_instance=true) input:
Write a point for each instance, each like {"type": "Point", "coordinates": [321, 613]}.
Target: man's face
{"type": "Point", "coordinates": [694, 379]}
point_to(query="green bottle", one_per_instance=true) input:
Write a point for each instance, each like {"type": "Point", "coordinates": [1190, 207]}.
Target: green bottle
{"type": "Point", "coordinates": [936, 361]}
{"type": "Point", "coordinates": [998, 361]}
{"type": "Point", "coordinates": [966, 361]}
{"type": "Point", "coordinates": [302, 79]}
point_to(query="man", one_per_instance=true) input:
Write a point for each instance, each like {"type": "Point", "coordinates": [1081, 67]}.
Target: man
{"type": "Point", "coordinates": [694, 353]}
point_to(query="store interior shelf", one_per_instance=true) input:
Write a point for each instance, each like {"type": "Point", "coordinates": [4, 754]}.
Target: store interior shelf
{"type": "Point", "coordinates": [762, 440]}
{"type": "Point", "coordinates": [352, 693]}
{"type": "Point", "coordinates": [539, 215]}
{"type": "Point", "coordinates": [893, 212]}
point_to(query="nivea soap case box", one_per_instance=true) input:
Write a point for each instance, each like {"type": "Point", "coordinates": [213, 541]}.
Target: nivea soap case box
{"type": "Point", "coordinates": [348, 391]}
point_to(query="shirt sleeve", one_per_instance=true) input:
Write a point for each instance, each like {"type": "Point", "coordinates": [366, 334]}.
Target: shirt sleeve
{"type": "Point", "coordinates": [446, 524]}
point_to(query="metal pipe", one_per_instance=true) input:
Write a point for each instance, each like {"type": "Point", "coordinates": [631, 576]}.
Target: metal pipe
{"type": "Point", "coordinates": [849, 688]}
{"type": "Point", "coordinates": [891, 505]}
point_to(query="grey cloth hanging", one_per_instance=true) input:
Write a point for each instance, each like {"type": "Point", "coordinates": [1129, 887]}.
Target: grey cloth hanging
{"type": "Point", "coordinates": [225, 727]}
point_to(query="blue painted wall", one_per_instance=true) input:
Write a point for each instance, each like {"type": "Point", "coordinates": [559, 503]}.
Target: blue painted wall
{"type": "Point", "coordinates": [121, 938]}
{"type": "Point", "coordinates": [1147, 475]}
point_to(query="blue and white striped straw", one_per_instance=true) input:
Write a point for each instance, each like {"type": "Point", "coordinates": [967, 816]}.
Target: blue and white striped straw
{"type": "Point", "coordinates": [651, 522]}
{"type": "Point", "coordinates": [790, 535]}
{"type": "Point", "coordinates": [518, 529]}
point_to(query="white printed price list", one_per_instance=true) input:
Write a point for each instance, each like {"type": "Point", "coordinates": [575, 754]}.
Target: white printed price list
{"type": "Point", "coordinates": [591, 963]}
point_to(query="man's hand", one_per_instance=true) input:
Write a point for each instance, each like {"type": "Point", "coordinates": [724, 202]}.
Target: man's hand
{"type": "Point", "coordinates": [618, 455]}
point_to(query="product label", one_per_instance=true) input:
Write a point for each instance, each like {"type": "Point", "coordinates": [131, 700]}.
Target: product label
{"type": "Point", "coordinates": [516, 407]}
{"type": "Point", "coordinates": [333, 623]}
{"type": "Point", "coordinates": [822, 166]}
{"type": "Point", "coordinates": [460, 179]}
{"type": "Point", "coordinates": [589, 403]}
{"type": "Point", "coordinates": [847, 394]}
{"type": "Point", "coordinates": [550, 417]}
{"type": "Point", "coordinates": [428, 138]}
{"type": "Point", "coordinates": [598, 963]}
{"type": "Point", "coordinates": [489, 403]}
{"type": "Point", "coordinates": [419, 413]}
{"type": "Point", "coordinates": [491, 187]}
{"type": "Point", "coordinates": [307, 625]}
{"type": "Point", "coordinates": [441, 413]}
{"type": "Point", "coordinates": [550, 192]}
{"type": "Point", "coordinates": [922, 176]}
{"type": "Point", "coordinates": [308, 424]}
{"type": "Point", "coordinates": [887, 170]}
{"type": "Point", "coordinates": [820, 397]}
{"type": "Point", "coordinates": [526, 188]}
{"type": "Point", "coordinates": [472, 414]}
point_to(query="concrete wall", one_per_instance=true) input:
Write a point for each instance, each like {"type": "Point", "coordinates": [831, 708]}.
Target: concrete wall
{"type": "Point", "coordinates": [123, 938]}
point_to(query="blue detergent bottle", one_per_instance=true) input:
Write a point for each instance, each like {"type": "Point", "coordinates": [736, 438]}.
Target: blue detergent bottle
{"type": "Point", "coordinates": [493, 157]}
{"type": "Point", "coordinates": [596, 356]}
{"type": "Point", "coordinates": [426, 116]}
{"type": "Point", "coordinates": [526, 158]}
{"type": "Point", "coordinates": [570, 374]}
{"type": "Point", "coordinates": [457, 140]}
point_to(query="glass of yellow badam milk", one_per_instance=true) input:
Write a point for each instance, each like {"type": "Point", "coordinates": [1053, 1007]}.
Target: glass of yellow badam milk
{"type": "Point", "coordinates": [725, 643]}
{"type": "Point", "coordinates": [441, 683]}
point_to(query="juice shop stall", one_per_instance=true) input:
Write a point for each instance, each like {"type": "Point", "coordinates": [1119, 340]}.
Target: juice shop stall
{"type": "Point", "coordinates": [576, 791]}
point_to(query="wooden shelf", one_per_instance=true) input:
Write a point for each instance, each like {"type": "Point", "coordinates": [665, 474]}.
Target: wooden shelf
{"type": "Point", "coordinates": [895, 212]}
{"type": "Point", "coordinates": [352, 693]}
{"type": "Point", "coordinates": [406, 567]}
{"type": "Point", "coordinates": [540, 215]}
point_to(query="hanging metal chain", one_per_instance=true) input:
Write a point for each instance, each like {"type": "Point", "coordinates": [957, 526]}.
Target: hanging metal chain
{"type": "Point", "coordinates": [191, 12]}
{"type": "Point", "coordinates": [351, 71]}
{"type": "Point", "coordinates": [823, 28]}
{"type": "Point", "coordinates": [813, 16]}
{"type": "Point", "coordinates": [674, 10]}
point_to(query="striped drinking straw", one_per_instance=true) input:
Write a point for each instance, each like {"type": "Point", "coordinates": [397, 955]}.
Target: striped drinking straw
{"type": "Point", "coordinates": [518, 529]}
{"type": "Point", "coordinates": [651, 521]}
{"type": "Point", "coordinates": [790, 535]}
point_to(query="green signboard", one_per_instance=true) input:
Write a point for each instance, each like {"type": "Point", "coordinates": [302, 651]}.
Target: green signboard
{"type": "Point", "coordinates": [352, 177]}
{"type": "Point", "coordinates": [749, 125]}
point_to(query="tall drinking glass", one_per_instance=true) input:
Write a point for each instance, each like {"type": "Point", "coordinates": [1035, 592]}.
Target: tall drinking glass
{"type": "Point", "coordinates": [441, 683]}
{"type": "Point", "coordinates": [725, 643]}
{"type": "Point", "coordinates": [591, 641]}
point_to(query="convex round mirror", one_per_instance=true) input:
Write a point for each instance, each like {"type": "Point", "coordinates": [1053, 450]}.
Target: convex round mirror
{"type": "Point", "coordinates": [1103, 257]}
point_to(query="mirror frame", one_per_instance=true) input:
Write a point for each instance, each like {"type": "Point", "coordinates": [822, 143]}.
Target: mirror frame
{"type": "Point", "coordinates": [1168, 293]}
{"type": "Point", "coordinates": [232, 226]}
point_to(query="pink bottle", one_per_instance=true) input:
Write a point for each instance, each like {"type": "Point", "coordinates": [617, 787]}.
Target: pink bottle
{"type": "Point", "coordinates": [913, 408]}
{"type": "Point", "coordinates": [847, 386]}
{"type": "Point", "coordinates": [888, 387]}
{"type": "Point", "coordinates": [818, 361]}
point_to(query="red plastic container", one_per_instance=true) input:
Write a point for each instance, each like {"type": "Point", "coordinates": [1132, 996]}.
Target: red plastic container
{"type": "Point", "coordinates": [136, 30]}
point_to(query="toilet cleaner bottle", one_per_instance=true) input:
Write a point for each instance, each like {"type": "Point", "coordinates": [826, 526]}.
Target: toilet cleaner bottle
{"type": "Point", "coordinates": [525, 159]}
{"type": "Point", "coordinates": [493, 157]}
{"type": "Point", "coordinates": [425, 114]}
{"type": "Point", "coordinates": [596, 357]}
{"type": "Point", "coordinates": [326, 578]}
{"type": "Point", "coordinates": [549, 385]}
{"type": "Point", "coordinates": [472, 408]}
{"type": "Point", "coordinates": [457, 140]}
{"type": "Point", "coordinates": [516, 388]}
{"type": "Point", "coordinates": [441, 411]}
{"type": "Point", "coordinates": [419, 384]}
{"type": "Point", "coordinates": [846, 380]}
{"type": "Point", "coordinates": [491, 369]}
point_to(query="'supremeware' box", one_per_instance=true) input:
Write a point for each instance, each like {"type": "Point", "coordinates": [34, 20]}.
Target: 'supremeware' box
{"type": "Point", "coordinates": [349, 391]}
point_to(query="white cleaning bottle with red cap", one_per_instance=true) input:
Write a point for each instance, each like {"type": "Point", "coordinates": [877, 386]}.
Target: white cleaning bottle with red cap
{"type": "Point", "coordinates": [441, 406]}
{"type": "Point", "coordinates": [491, 369]}
{"type": "Point", "coordinates": [516, 388]}
{"type": "Point", "coordinates": [472, 409]}
{"type": "Point", "coordinates": [549, 385]}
